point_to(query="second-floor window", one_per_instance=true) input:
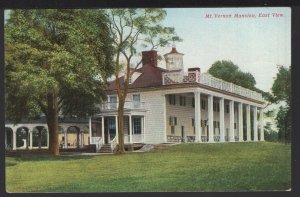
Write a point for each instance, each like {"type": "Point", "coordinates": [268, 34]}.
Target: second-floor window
{"type": "Point", "coordinates": [136, 100]}
{"type": "Point", "coordinates": [112, 100]}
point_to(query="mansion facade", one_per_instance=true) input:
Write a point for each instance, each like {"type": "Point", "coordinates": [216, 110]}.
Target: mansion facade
{"type": "Point", "coordinates": [171, 106]}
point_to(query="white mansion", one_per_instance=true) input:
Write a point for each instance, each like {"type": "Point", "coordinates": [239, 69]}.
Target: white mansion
{"type": "Point", "coordinates": [170, 106]}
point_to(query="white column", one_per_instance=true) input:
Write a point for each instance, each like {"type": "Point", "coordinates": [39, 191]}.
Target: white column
{"type": "Point", "coordinates": [102, 129]}
{"type": "Point", "coordinates": [231, 121]}
{"type": "Point", "coordinates": [14, 139]}
{"type": "Point", "coordinates": [248, 123]}
{"type": "Point", "coordinates": [90, 129]}
{"type": "Point", "coordinates": [222, 124]}
{"type": "Point", "coordinates": [255, 123]}
{"type": "Point", "coordinates": [261, 120]}
{"type": "Point", "coordinates": [130, 129]}
{"type": "Point", "coordinates": [81, 138]}
{"type": "Point", "coordinates": [241, 133]}
{"type": "Point", "coordinates": [210, 119]}
{"type": "Point", "coordinates": [197, 117]}
{"type": "Point", "coordinates": [117, 128]}
{"type": "Point", "coordinates": [30, 130]}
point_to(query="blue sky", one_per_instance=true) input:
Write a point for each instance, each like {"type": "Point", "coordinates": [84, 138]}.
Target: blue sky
{"type": "Point", "coordinates": [256, 45]}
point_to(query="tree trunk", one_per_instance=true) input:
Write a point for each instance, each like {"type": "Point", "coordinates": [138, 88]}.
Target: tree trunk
{"type": "Point", "coordinates": [120, 131]}
{"type": "Point", "coordinates": [52, 121]}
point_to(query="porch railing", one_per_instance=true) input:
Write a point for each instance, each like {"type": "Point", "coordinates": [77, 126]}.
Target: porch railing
{"type": "Point", "coordinates": [126, 138]}
{"type": "Point", "coordinates": [216, 138]}
{"type": "Point", "coordinates": [113, 144]}
{"type": "Point", "coordinates": [136, 138]}
{"type": "Point", "coordinates": [127, 105]}
{"type": "Point", "coordinates": [174, 139]}
{"type": "Point", "coordinates": [204, 138]}
{"type": "Point", "coordinates": [98, 141]}
{"type": "Point", "coordinates": [190, 138]}
{"type": "Point", "coordinates": [207, 79]}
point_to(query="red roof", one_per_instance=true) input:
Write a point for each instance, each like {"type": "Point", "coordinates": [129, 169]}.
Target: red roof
{"type": "Point", "coordinates": [150, 76]}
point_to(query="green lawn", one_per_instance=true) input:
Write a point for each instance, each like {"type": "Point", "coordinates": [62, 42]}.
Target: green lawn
{"type": "Point", "coordinates": [186, 167]}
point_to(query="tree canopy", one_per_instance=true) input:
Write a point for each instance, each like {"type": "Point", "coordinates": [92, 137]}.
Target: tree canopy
{"type": "Point", "coordinates": [56, 61]}
{"type": "Point", "coordinates": [230, 72]}
{"type": "Point", "coordinates": [281, 90]}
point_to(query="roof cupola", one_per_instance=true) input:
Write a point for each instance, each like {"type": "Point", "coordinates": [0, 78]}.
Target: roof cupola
{"type": "Point", "coordinates": [174, 59]}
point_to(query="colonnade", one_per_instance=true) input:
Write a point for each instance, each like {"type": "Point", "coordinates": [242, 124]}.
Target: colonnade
{"type": "Point", "coordinates": [29, 131]}
{"type": "Point", "coordinates": [232, 137]}
{"type": "Point", "coordinates": [30, 128]}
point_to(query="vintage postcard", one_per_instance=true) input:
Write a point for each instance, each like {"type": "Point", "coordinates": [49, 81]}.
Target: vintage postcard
{"type": "Point", "coordinates": [148, 100]}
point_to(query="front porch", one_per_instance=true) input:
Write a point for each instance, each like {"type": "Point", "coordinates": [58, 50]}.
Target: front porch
{"type": "Point", "coordinates": [103, 130]}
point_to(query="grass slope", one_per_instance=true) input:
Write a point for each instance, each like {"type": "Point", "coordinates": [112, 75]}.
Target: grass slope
{"type": "Point", "coordinates": [186, 167]}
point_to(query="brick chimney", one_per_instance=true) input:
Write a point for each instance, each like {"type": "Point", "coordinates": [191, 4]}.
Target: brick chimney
{"type": "Point", "coordinates": [150, 58]}
{"type": "Point", "coordinates": [194, 69]}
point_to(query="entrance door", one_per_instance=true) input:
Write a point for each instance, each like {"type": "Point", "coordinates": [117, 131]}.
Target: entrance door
{"type": "Point", "coordinates": [106, 133]}
{"type": "Point", "coordinates": [109, 129]}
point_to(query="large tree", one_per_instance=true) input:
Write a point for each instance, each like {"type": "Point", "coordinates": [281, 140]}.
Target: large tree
{"type": "Point", "coordinates": [281, 90]}
{"type": "Point", "coordinates": [133, 29]}
{"type": "Point", "coordinates": [230, 72]}
{"type": "Point", "coordinates": [56, 61]}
